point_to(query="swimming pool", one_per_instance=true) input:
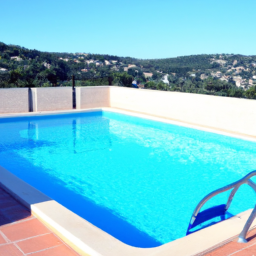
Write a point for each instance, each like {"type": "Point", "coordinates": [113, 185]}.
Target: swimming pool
{"type": "Point", "coordinates": [137, 179]}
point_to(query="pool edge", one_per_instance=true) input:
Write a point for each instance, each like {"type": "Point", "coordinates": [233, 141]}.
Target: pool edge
{"type": "Point", "coordinates": [87, 239]}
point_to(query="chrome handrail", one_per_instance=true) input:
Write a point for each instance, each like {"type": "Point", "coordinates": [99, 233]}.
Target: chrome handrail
{"type": "Point", "coordinates": [236, 185]}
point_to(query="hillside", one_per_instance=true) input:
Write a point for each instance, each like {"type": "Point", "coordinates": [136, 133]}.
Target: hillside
{"type": "Point", "coordinates": [217, 74]}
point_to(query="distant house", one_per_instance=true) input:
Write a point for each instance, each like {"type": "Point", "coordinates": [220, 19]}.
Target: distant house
{"type": "Point", "coordinates": [238, 80]}
{"type": "Point", "coordinates": [203, 76]}
{"type": "Point", "coordinates": [224, 79]}
{"type": "Point", "coordinates": [218, 74]}
{"type": "Point", "coordinates": [147, 75]}
{"type": "Point", "coordinates": [17, 58]}
{"type": "Point", "coordinates": [98, 63]}
{"type": "Point", "coordinates": [221, 62]}
{"type": "Point", "coordinates": [193, 75]}
{"type": "Point", "coordinates": [84, 70]}
{"type": "Point", "coordinates": [107, 63]}
{"type": "Point", "coordinates": [64, 59]}
{"type": "Point", "coordinates": [165, 79]}
{"type": "Point", "coordinates": [89, 61]}
{"type": "Point", "coordinates": [3, 70]}
{"type": "Point", "coordinates": [254, 77]}
{"type": "Point", "coordinates": [47, 65]}
{"type": "Point", "coordinates": [131, 66]}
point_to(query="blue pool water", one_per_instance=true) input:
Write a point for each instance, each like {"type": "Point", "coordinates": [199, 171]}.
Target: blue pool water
{"type": "Point", "coordinates": [138, 180]}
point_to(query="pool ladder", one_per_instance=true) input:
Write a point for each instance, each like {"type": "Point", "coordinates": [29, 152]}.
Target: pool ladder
{"type": "Point", "coordinates": [220, 210]}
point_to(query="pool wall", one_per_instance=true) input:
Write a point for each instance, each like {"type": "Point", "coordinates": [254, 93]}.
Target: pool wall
{"type": "Point", "coordinates": [223, 113]}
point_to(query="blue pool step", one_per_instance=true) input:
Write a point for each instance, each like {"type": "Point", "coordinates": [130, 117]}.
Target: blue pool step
{"type": "Point", "coordinates": [208, 214]}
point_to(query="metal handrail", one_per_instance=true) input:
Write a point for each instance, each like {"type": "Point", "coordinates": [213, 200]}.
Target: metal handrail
{"type": "Point", "coordinates": [236, 185]}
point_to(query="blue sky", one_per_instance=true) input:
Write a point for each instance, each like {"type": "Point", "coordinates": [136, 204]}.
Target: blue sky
{"type": "Point", "coordinates": [135, 28]}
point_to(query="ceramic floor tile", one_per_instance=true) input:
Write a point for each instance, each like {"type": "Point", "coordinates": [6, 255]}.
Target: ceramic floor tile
{"type": "Point", "coordinates": [251, 251]}
{"type": "Point", "coordinates": [56, 251]}
{"type": "Point", "coordinates": [23, 230]}
{"type": "Point", "coordinates": [10, 250]}
{"type": "Point", "coordinates": [39, 243]}
{"type": "Point", "coordinates": [2, 240]}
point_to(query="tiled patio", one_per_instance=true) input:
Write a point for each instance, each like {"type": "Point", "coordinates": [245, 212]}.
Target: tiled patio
{"type": "Point", "coordinates": [22, 234]}
{"type": "Point", "coordinates": [236, 249]}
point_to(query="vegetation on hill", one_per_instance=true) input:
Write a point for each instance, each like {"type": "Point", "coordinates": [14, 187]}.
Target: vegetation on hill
{"type": "Point", "coordinates": [217, 74]}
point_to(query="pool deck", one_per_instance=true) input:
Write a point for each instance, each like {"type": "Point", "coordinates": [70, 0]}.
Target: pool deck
{"type": "Point", "coordinates": [236, 249]}
{"type": "Point", "coordinates": [23, 234]}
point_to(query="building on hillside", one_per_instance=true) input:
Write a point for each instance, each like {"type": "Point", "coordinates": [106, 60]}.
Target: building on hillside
{"type": "Point", "coordinates": [148, 75]}
{"type": "Point", "coordinates": [218, 74]}
{"type": "Point", "coordinates": [131, 66]}
{"type": "Point", "coordinates": [238, 80]}
{"type": "Point", "coordinates": [47, 65]}
{"type": "Point", "coordinates": [99, 63]}
{"type": "Point", "coordinates": [84, 70]}
{"type": "Point", "coordinates": [224, 78]}
{"type": "Point", "coordinates": [165, 79]}
{"type": "Point", "coordinates": [17, 58]}
{"type": "Point", "coordinates": [3, 70]}
{"type": "Point", "coordinates": [203, 76]}
{"type": "Point", "coordinates": [221, 62]}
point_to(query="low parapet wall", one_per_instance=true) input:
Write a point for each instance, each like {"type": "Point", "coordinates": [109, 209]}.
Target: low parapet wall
{"type": "Point", "coordinates": [49, 99]}
{"type": "Point", "coordinates": [228, 114]}
{"type": "Point", "coordinates": [14, 100]}
{"type": "Point", "coordinates": [92, 97]}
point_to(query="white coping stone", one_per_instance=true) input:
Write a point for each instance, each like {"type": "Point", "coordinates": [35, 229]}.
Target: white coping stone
{"type": "Point", "coordinates": [90, 240]}
{"type": "Point", "coordinates": [14, 100]}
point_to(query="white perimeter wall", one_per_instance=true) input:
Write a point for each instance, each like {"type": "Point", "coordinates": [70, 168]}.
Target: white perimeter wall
{"type": "Point", "coordinates": [14, 100]}
{"type": "Point", "coordinates": [52, 98]}
{"type": "Point", "coordinates": [229, 114]}
{"type": "Point", "coordinates": [92, 97]}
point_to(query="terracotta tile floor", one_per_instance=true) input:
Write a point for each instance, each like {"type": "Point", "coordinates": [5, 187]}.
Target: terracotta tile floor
{"type": "Point", "coordinates": [236, 249]}
{"type": "Point", "coordinates": [22, 234]}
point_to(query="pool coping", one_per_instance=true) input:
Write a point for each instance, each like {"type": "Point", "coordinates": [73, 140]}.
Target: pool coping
{"type": "Point", "coordinates": [87, 239]}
